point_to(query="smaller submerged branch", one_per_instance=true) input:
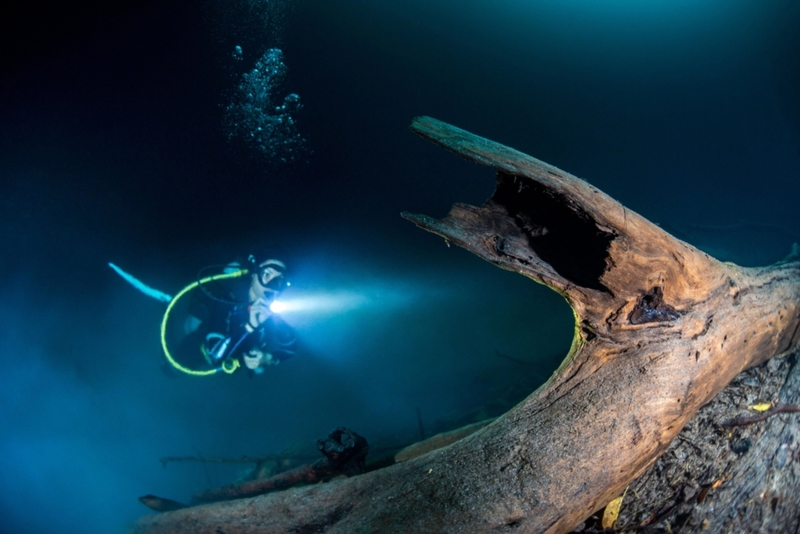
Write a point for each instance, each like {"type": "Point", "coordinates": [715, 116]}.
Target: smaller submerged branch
{"type": "Point", "coordinates": [304, 474]}
{"type": "Point", "coordinates": [439, 440]}
{"type": "Point", "coordinates": [749, 420]}
{"type": "Point", "coordinates": [234, 460]}
{"type": "Point", "coordinates": [161, 504]}
{"type": "Point", "coordinates": [511, 358]}
{"type": "Point", "coordinates": [344, 452]}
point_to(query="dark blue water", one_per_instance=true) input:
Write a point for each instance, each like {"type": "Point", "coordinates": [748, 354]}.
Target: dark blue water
{"type": "Point", "coordinates": [114, 146]}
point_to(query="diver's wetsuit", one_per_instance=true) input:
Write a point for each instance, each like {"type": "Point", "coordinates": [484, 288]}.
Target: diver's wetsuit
{"type": "Point", "coordinates": [215, 330]}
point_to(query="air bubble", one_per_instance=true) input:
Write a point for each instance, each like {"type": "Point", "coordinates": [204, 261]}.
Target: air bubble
{"type": "Point", "coordinates": [254, 116]}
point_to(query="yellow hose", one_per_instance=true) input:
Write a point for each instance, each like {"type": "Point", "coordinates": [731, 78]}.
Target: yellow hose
{"type": "Point", "coordinates": [228, 366]}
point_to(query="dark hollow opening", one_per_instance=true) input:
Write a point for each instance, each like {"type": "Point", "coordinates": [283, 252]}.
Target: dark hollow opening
{"type": "Point", "coordinates": [559, 232]}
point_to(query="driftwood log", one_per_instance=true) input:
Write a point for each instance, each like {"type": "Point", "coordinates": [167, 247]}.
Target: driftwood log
{"type": "Point", "coordinates": [660, 329]}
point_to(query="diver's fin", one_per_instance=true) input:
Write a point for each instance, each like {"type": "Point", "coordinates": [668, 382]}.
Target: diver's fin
{"type": "Point", "coordinates": [147, 290]}
{"type": "Point", "coordinates": [160, 504]}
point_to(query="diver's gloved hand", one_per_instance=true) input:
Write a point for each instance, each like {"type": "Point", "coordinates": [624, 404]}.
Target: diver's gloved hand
{"type": "Point", "coordinates": [259, 312]}
{"type": "Point", "coordinates": [256, 360]}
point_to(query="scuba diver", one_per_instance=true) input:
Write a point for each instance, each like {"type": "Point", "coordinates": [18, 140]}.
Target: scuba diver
{"type": "Point", "coordinates": [229, 323]}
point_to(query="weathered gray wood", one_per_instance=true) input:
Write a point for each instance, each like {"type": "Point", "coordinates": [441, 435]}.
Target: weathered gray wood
{"type": "Point", "coordinates": [763, 492]}
{"type": "Point", "coordinates": [661, 328]}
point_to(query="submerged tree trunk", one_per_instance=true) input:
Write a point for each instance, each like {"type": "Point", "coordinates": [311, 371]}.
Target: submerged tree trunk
{"type": "Point", "coordinates": [661, 328]}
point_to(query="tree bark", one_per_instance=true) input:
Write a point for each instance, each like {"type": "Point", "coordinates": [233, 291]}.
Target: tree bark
{"type": "Point", "coordinates": [660, 329]}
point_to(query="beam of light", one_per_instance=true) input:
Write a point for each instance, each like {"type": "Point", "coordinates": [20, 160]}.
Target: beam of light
{"type": "Point", "coordinates": [323, 303]}
{"type": "Point", "coordinates": [141, 286]}
{"type": "Point", "coordinates": [278, 306]}
{"type": "Point", "coordinates": [331, 321]}
{"type": "Point", "coordinates": [312, 307]}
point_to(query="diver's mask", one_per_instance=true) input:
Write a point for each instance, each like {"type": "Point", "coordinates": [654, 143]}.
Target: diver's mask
{"type": "Point", "coordinates": [271, 274]}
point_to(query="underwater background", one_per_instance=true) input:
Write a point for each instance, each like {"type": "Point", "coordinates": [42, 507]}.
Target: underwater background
{"type": "Point", "coordinates": [167, 136]}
